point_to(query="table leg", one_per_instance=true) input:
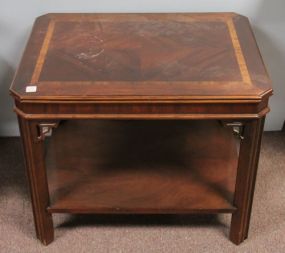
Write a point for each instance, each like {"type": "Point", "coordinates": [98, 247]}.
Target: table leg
{"type": "Point", "coordinates": [245, 182]}
{"type": "Point", "coordinates": [35, 166]}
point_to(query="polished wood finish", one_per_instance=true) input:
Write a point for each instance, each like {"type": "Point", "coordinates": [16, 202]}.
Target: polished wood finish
{"type": "Point", "coordinates": [142, 167]}
{"type": "Point", "coordinates": [245, 183]}
{"type": "Point", "coordinates": [142, 67]}
{"type": "Point", "coordinates": [34, 157]}
{"type": "Point", "coordinates": [164, 56]}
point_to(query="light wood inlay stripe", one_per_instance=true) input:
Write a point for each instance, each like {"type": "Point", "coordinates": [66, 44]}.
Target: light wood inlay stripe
{"type": "Point", "coordinates": [238, 52]}
{"type": "Point", "coordinates": [43, 52]}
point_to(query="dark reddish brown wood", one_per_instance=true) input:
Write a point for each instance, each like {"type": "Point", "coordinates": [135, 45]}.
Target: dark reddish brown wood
{"type": "Point", "coordinates": [143, 66]}
{"type": "Point", "coordinates": [161, 56]}
{"type": "Point", "coordinates": [35, 165]}
{"type": "Point", "coordinates": [217, 110]}
{"type": "Point", "coordinates": [142, 167]}
{"type": "Point", "coordinates": [246, 175]}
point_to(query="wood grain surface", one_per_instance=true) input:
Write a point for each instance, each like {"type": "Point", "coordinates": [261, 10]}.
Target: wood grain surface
{"type": "Point", "coordinates": [88, 56]}
{"type": "Point", "coordinates": [141, 167]}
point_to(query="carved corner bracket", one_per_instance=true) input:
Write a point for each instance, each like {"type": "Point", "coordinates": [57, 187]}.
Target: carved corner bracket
{"type": "Point", "coordinates": [45, 129]}
{"type": "Point", "coordinates": [237, 127]}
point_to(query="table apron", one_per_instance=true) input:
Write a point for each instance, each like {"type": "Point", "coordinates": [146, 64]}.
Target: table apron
{"type": "Point", "coordinates": [140, 111]}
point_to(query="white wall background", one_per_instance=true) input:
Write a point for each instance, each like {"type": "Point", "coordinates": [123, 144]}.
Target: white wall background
{"type": "Point", "coordinates": [267, 18]}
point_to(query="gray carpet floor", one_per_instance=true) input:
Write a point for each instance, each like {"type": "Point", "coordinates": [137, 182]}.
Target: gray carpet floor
{"type": "Point", "coordinates": [167, 233]}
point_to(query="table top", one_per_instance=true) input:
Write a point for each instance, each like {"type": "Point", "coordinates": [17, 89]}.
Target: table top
{"type": "Point", "coordinates": [142, 57]}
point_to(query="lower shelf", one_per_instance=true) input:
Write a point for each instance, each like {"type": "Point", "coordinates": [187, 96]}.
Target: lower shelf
{"type": "Point", "coordinates": [141, 167]}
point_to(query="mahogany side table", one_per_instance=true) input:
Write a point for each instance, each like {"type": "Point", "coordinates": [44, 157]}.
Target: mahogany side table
{"type": "Point", "coordinates": [141, 113]}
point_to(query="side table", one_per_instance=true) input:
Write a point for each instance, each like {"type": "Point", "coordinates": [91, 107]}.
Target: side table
{"type": "Point", "coordinates": [141, 113]}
